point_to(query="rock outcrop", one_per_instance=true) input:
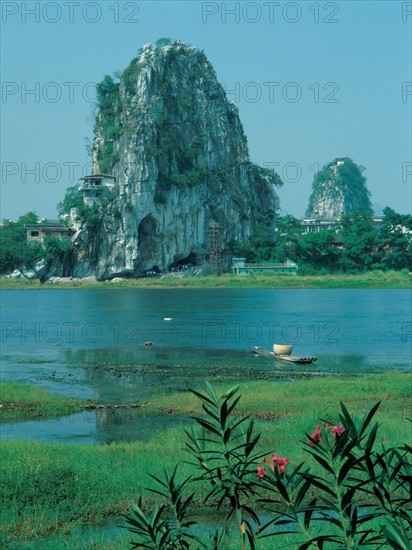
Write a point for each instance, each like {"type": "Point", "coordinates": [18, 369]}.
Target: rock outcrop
{"type": "Point", "coordinates": [177, 148]}
{"type": "Point", "coordinates": [338, 189]}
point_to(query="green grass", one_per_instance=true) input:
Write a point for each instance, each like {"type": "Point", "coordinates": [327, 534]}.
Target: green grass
{"type": "Point", "coordinates": [370, 279]}
{"type": "Point", "coordinates": [50, 489]}
{"type": "Point", "coordinates": [309, 399]}
{"type": "Point", "coordinates": [121, 541]}
{"type": "Point", "coordinates": [26, 402]}
{"type": "Point", "coordinates": [106, 541]}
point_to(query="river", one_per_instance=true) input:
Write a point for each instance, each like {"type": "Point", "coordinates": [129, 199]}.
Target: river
{"type": "Point", "coordinates": [91, 344]}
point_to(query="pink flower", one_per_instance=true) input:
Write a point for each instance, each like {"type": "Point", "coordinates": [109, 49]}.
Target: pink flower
{"type": "Point", "coordinates": [261, 472]}
{"type": "Point", "coordinates": [337, 430]}
{"type": "Point", "coordinates": [281, 463]}
{"type": "Point", "coordinates": [276, 460]}
{"type": "Point", "coordinates": [316, 436]}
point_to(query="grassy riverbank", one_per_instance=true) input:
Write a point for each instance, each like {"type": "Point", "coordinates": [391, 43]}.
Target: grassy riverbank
{"type": "Point", "coordinates": [49, 488]}
{"type": "Point", "coordinates": [371, 279]}
{"type": "Point", "coordinates": [25, 402]}
{"type": "Point", "coordinates": [315, 397]}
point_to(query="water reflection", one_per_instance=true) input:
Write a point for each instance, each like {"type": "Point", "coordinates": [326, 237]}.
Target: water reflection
{"type": "Point", "coordinates": [104, 426]}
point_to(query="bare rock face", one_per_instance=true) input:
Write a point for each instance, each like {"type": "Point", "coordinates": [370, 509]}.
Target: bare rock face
{"type": "Point", "coordinates": [338, 189]}
{"type": "Point", "coordinates": [178, 151]}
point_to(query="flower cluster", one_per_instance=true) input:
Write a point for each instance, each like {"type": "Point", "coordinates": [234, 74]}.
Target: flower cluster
{"type": "Point", "coordinates": [274, 462]}
{"type": "Point", "coordinates": [316, 437]}
{"type": "Point", "coordinates": [261, 472]}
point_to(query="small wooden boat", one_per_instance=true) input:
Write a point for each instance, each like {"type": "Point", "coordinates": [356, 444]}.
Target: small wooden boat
{"type": "Point", "coordinates": [289, 358]}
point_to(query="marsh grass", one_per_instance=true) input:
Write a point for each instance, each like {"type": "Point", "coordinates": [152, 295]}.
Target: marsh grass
{"type": "Point", "coordinates": [313, 398]}
{"type": "Point", "coordinates": [26, 402]}
{"type": "Point", "coordinates": [369, 279]}
{"type": "Point", "coordinates": [49, 489]}
{"type": "Point", "coordinates": [82, 539]}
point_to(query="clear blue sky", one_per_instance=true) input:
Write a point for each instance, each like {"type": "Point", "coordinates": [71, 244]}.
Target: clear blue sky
{"type": "Point", "coordinates": [312, 80]}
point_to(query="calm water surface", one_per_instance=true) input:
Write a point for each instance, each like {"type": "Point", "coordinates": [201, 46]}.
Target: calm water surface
{"type": "Point", "coordinates": [91, 344]}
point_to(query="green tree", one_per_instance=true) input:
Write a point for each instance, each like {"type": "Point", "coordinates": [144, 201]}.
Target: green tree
{"type": "Point", "coordinates": [72, 199]}
{"type": "Point", "coordinates": [30, 217]}
{"type": "Point", "coordinates": [260, 247]}
{"type": "Point", "coordinates": [107, 121]}
{"type": "Point", "coordinates": [288, 235]}
{"type": "Point", "coordinates": [359, 240]}
{"type": "Point", "coordinates": [89, 215]}
{"type": "Point", "coordinates": [395, 240]}
{"type": "Point", "coordinates": [55, 247]}
{"type": "Point", "coordinates": [107, 93]}
{"type": "Point", "coordinates": [318, 250]}
{"type": "Point", "coordinates": [262, 174]}
{"type": "Point", "coordinates": [15, 251]}
{"type": "Point", "coordinates": [243, 249]}
{"type": "Point", "coordinates": [262, 240]}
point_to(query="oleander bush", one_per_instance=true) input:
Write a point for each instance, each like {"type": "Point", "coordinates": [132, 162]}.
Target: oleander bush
{"type": "Point", "coordinates": [351, 493]}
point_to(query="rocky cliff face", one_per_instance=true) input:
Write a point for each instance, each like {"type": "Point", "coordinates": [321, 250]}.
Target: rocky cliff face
{"type": "Point", "coordinates": [178, 151]}
{"type": "Point", "coordinates": [338, 189]}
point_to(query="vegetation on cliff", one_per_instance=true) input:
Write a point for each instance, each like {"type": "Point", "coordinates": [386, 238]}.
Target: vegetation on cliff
{"type": "Point", "coordinates": [179, 163]}
{"type": "Point", "coordinates": [356, 246]}
{"type": "Point", "coordinates": [339, 188]}
{"type": "Point", "coordinates": [167, 132]}
{"type": "Point", "coordinates": [165, 124]}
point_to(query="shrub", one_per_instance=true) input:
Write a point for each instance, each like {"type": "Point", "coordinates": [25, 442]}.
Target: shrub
{"type": "Point", "coordinates": [15, 251]}
{"type": "Point", "coordinates": [72, 199]}
{"type": "Point", "coordinates": [361, 496]}
{"type": "Point", "coordinates": [55, 247]}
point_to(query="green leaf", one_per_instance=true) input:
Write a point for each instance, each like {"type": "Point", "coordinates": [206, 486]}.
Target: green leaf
{"type": "Point", "coordinates": [319, 459]}
{"type": "Point", "coordinates": [318, 482]}
{"type": "Point", "coordinates": [207, 425]}
{"type": "Point", "coordinates": [212, 393]}
{"type": "Point", "coordinates": [349, 464]}
{"type": "Point", "coordinates": [223, 415]}
{"type": "Point", "coordinates": [233, 405]}
{"type": "Point", "coordinates": [308, 513]}
{"type": "Point", "coordinates": [320, 538]}
{"type": "Point", "coordinates": [372, 437]}
{"type": "Point", "coordinates": [211, 412]}
{"type": "Point", "coordinates": [396, 537]}
{"type": "Point", "coordinates": [302, 492]}
{"type": "Point", "coordinates": [203, 398]}
{"type": "Point", "coordinates": [226, 435]}
{"type": "Point", "coordinates": [230, 393]}
{"type": "Point", "coordinates": [346, 417]}
{"type": "Point", "coordinates": [369, 417]}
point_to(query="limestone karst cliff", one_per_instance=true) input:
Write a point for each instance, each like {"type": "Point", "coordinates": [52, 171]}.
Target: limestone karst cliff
{"type": "Point", "coordinates": [168, 134]}
{"type": "Point", "coordinates": [338, 189]}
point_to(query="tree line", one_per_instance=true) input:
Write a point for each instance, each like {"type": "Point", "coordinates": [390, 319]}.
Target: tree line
{"type": "Point", "coordinates": [16, 252]}
{"type": "Point", "coordinates": [355, 245]}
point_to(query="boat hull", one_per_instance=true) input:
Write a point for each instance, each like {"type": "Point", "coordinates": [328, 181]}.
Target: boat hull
{"type": "Point", "coordinates": [289, 358]}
